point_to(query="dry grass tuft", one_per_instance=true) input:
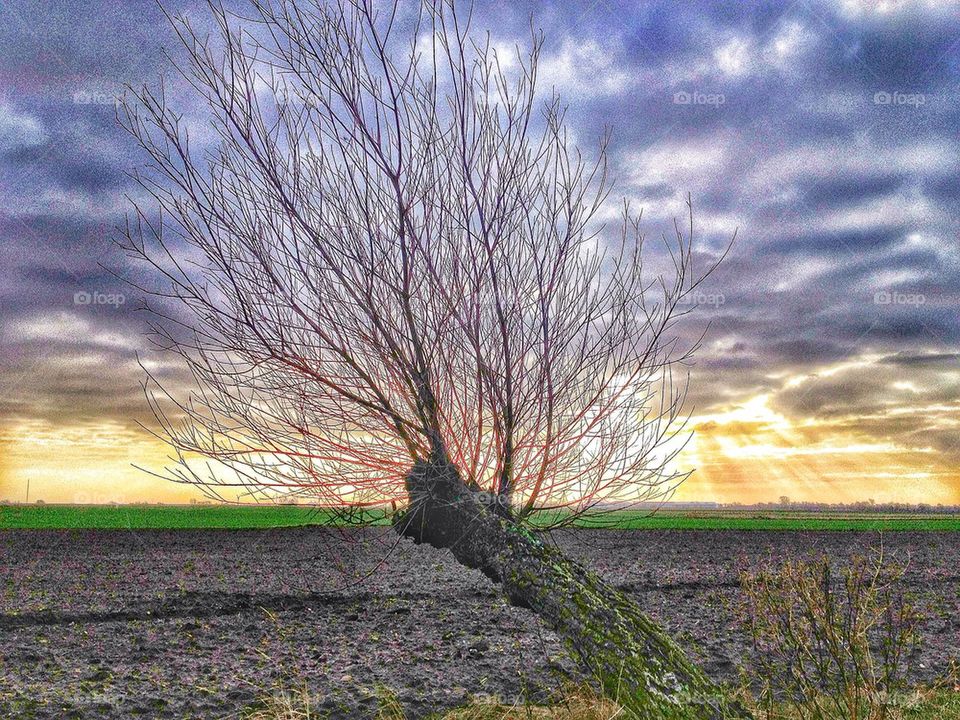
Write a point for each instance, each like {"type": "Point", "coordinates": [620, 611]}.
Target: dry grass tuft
{"type": "Point", "coordinates": [285, 705]}
{"type": "Point", "coordinates": [580, 703]}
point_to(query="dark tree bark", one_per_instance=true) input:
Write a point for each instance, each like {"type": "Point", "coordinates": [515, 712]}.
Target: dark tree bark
{"type": "Point", "coordinates": [635, 661]}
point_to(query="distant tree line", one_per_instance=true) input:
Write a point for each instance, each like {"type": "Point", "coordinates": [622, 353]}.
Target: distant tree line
{"type": "Point", "coordinates": [784, 503]}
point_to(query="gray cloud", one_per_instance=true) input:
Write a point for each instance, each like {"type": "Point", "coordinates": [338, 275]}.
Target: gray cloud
{"type": "Point", "coordinates": [839, 194]}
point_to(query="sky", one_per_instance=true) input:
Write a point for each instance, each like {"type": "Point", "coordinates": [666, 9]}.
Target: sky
{"type": "Point", "coordinates": [824, 132]}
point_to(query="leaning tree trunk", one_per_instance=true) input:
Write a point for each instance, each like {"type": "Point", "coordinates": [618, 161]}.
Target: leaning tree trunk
{"type": "Point", "coordinates": [635, 661]}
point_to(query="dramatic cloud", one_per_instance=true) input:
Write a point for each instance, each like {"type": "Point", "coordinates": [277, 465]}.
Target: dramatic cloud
{"type": "Point", "coordinates": [824, 132]}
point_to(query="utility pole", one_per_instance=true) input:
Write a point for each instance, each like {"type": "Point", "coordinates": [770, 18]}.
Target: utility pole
{"type": "Point", "coordinates": [28, 491]}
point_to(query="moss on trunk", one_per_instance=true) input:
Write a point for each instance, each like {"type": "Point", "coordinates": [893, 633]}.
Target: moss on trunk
{"type": "Point", "coordinates": [637, 663]}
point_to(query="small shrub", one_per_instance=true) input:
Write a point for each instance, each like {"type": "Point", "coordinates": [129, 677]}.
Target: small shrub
{"type": "Point", "coordinates": [830, 643]}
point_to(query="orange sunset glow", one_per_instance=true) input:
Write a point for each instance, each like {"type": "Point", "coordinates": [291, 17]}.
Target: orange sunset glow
{"type": "Point", "coordinates": [743, 452]}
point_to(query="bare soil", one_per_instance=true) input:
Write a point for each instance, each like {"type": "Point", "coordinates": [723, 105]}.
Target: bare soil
{"type": "Point", "coordinates": [199, 624]}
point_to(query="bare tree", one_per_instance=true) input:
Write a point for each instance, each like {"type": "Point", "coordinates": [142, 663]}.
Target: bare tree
{"type": "Point", "coordinates": [391, 290]}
